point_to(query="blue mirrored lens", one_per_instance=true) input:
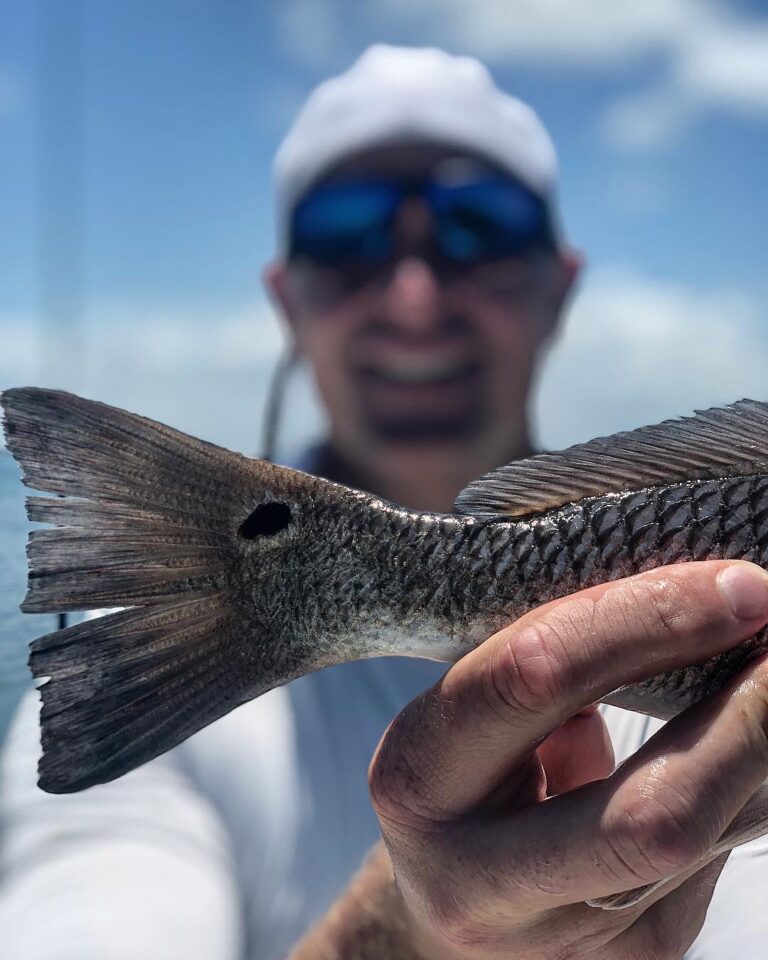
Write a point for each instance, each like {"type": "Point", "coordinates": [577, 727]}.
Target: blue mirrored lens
{"type": "Point", "coordinates": [487, 219]}
{"type": "Point", "coordinates": [476, 220]}
{"type": "Point", "coordinates": [346, 221]}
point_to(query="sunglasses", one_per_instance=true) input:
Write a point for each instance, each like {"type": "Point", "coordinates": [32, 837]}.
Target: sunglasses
{"type": "Point", "coordinates": [353, 221]}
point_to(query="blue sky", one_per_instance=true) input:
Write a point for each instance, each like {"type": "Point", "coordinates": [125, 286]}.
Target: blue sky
{"type": "Point", "coordinates": [137, 138]}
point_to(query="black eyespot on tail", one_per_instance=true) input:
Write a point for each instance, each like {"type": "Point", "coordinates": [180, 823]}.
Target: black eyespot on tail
{"type": "Point", "coordinates": [266, 520]}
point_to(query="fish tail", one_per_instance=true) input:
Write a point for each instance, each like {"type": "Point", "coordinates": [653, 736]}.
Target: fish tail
{"type": "Point", "coordinates": [126, 687]}
{"type": "Point", "coordinates": [145, 518]}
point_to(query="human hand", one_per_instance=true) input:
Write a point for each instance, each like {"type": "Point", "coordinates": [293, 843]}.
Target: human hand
{"type": "Point", "coordinates": [495, 793]}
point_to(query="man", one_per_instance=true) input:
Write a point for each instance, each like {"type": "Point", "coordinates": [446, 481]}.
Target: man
{"type": "Point", "coordinates": [421, 272]}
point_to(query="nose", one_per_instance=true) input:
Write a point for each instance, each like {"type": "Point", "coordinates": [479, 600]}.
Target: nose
{"type": "Point", "coordinates": [413, 296]}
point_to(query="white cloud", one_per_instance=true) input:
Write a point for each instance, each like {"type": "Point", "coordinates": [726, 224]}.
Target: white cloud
{"type": "Point", "coordinates": [584, 33]}
{"type": "Point", "coordinates": [713, 54]}
{"type": "Point", "coordinates": [313, 31]}
{"type": "Point", "coordinates": [718, 62]}
{"type": "Point", "coordinates": [576, 33]}
{"type": "Point", "coordinates": [704, 53]}
{"type": "Point", "coordinates": [637, 350]}
{"type": "Point", "coordinates": [653, 118]}
{"type": "Point", "coordinates": [726, 63]}
{"type": "Point", "coordinates": [20, 354]}
{"type": "Point", "coordinates": [163, 339]}
{"type": "Point", "coordinates": [205, 372]}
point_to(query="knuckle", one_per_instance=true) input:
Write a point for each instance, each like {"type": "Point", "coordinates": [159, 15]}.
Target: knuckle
{"type": "Point", "coordinates": [661, 603]}
{"type": "Point", "coordinates": [399, 784]}
{"type": "Point", "coordinates": [528, 672]}
{"type": "Point", "coordinates": [394, 790]}
{"type": "Point", "coordinates": [470, 909]}
{"type": "Point", "coordinates": [450, 917]}
{"type": "Point", "coordinates": [461, 927]}
{"type": "Point", "coordinates": [655, 838]}
{"type": "Point", "coordinates": [758, 715]}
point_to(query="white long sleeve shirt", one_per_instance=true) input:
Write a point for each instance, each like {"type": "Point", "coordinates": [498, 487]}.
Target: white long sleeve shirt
{"type": "Point", "coordinates": [232, 845]}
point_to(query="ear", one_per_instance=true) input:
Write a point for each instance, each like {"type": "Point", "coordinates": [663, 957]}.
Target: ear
{"type": "Point", "coordinates": [568, 265]}
{"type": "Point", "coordinates": [273, 276]}
{"type": "Point", "coordinates": [275, 279]}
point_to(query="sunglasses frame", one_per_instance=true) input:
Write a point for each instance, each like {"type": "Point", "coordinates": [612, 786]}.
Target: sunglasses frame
{"type": "Point", "coordinates": [432, 190]}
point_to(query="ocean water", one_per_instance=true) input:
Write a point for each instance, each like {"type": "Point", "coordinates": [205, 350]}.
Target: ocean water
{"type": "Point", "coordinates": [16, 628]}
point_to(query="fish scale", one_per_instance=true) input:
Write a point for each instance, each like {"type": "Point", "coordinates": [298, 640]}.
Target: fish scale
{"type": "Point", "coordinates": [603, 541]}
{"type": "Point", "coordinates": [240, 575]}
{"type": "Point", "coordinates": [267, 573]}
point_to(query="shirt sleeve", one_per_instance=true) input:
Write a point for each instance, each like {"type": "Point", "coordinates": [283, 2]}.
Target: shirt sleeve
{"type": "Point", "coordinates": [140, 867]}
{"type": "Point", "coordinates": [737, 919]}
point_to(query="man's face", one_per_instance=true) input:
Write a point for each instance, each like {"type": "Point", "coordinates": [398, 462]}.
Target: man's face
{"type": "Point", "coordinates": [416, 357]}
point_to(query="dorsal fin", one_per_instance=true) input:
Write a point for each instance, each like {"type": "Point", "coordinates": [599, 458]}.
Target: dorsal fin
{"type": "Point", "coordinates": [722, 441]}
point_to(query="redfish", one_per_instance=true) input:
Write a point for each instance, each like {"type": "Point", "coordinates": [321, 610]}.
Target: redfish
{"type": "Point", "coordinates": [238, 575]}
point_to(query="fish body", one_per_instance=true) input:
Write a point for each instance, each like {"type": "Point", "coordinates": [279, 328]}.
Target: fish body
{"type": "Point", "coordinates": [414, 584]}
{"type": "Point", "coordinates": [238, 575]}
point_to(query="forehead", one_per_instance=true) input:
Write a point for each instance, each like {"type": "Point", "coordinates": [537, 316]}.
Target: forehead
{"type": "Point", "coordinates": [408, 159]}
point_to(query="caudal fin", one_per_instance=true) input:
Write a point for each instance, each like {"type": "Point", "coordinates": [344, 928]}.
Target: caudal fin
{"type": "Point", "coordinates": [148, 520]}
{"type": "Point", "coordinates": [128, 686]}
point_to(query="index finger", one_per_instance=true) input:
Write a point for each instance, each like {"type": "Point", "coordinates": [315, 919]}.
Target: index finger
{"type": "Point", "coordinates": [450, 748]}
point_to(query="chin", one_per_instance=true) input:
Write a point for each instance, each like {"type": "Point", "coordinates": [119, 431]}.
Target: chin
{"type": "Point", "coordinates": [431, 431]}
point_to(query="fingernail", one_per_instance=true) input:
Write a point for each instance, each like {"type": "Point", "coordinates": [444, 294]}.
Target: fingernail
{"type": "Point", "coordinates": [588, 711]}
{"type": "Point", "coordinates": [745, 587]}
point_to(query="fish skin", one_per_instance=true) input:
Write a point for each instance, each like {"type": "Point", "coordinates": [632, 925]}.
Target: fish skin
{"type": "Point", "coordinates": [459, 580]}
{"type": "Point", "coordinates": [241, 575]}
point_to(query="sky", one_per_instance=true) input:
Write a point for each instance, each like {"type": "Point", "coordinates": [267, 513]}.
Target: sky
{"type": "Point", "coordinates": [136, 140]}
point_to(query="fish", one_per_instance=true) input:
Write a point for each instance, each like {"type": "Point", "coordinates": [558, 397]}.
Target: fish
{"type": "Point", "coordinates": [237, 575]}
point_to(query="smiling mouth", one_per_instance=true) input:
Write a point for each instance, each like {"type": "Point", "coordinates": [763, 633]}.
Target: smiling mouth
{"type": "Point", "coordinates": [414, 370]}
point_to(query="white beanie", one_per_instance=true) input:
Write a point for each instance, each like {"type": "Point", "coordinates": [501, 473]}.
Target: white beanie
{"type": "Point", "coordinates": [398, 93]}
